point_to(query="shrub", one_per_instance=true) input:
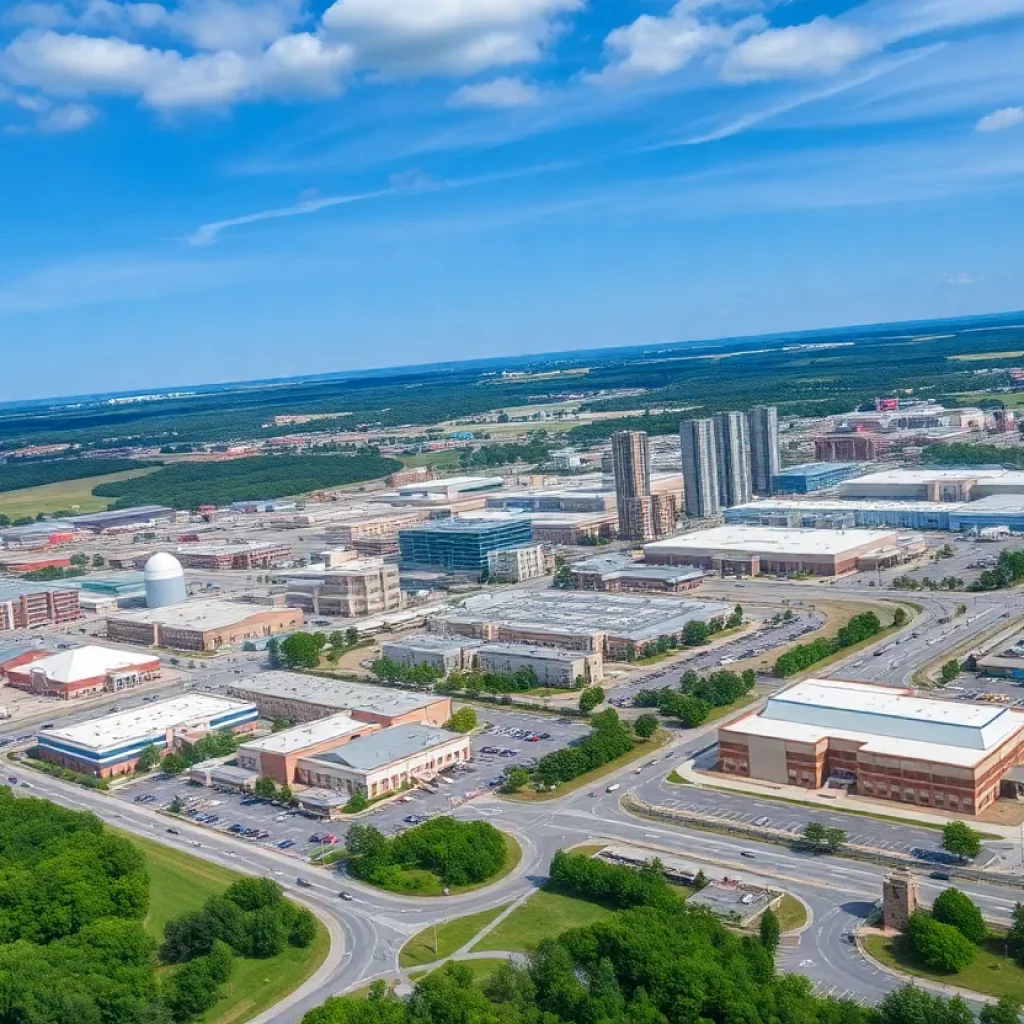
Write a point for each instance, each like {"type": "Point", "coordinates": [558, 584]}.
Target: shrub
{"type": "Point", "coordinates": [957, 909]}
{"type": "Point", "coordinates": [939, 945]}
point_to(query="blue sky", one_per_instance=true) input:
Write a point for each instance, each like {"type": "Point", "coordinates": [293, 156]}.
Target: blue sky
{"type": "Point", "coordinates": [209, 190]}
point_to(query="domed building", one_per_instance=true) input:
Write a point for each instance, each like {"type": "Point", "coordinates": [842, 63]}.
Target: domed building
{"type": "Point", "coordinates": [165, 581]}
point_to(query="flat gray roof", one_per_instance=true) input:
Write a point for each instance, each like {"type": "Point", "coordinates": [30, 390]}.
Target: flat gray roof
{"type": "Point", "coordinates": [381, 748]}
{"type": "Point", "coordinates": [11, 590]}
{"type": "Point", "coordinates": [194, 614]}
{"type": "Point", "coordinates": [431, 642]}
{"type": "Point", "coordinates": [335, 693]}
{"type": "Point", "coordinates": [532, 651]}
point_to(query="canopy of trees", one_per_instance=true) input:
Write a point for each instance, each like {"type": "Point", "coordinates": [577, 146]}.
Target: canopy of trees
{"type": "Point", "coordinates": [457, 852]}
{"type": "Point", "coordinates": [696, 695]}
{"type": "Point", "coordinates": [396, 672]}
{"type": "Point", "coordinates": [859, 628]}
{"type": "Point", "coordinates": [187, 485]}
{"type": "Point", "coordinates": [610, 738]}
{"type": "Point", "coordinates": [1009, 571]}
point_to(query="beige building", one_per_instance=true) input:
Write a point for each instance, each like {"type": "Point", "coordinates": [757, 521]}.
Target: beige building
{"type": "Point", "coordinates": [553, 666]}
{"type": "Point", "coordinates": [446, 653]}
{"type": "Point", "coordinates": [365, 587]}
{"type": "Point", "coordinates": [523, 562]}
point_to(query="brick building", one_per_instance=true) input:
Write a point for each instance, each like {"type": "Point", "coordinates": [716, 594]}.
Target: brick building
{"type": "Point", "coordinates": [25, 605]}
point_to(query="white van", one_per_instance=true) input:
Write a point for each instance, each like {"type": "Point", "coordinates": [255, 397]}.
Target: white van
{"type": "Point", "coordinates": [611, 789]}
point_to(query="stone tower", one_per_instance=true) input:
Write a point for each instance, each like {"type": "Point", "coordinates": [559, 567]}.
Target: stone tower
{"type": "Point", "coordinates": [899, 899]}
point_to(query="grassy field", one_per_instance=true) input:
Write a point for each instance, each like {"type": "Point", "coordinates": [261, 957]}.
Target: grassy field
{"type": "Point", "coordinates": [419, 882]}
{"type": "Point", "coordinates": [448, 459]}
{"type": "Point", "coordinates": [179, 883]}
{"type": "Point", "coordinates": [544, 915]}
{"type": "Point", "coordinates": [970, 357]}
{"type": "Point", "coordinates": [643, 748]}
{"type": "Point", "coordinates": [991, 972]}
{"type": "Point", "coordinates": [63, 495]}
{"type": "Point", "coordinates": [792, 914]}
{"type": "Point", "coordinates": [450, 937]}
{"type": "Point", "coordinates": [481, 969]}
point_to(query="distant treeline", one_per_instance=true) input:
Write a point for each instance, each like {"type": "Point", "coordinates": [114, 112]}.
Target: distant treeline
{"type": "Point", "coordinates": [959, 454]}
{"type": "Point", "coordinates": [16, 475]}
{"type": "Point", "coordinates": [186, 485]}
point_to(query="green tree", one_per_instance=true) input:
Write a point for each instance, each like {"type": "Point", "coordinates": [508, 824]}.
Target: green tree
{"type": "Point", "coordinates": [899, 617]}
{"type": "Point", "coordinates": [1015, 935]}
{"type": "Point", "coordinates": [279, 724]}
{"type": "Point", "coordinates": [356, 802]}
{"type": "Point", "coordinates": [351, 636]}
{"type": "Point", "coordinates": [960, 839]}
{"type": "Point", "coordinates": [303, 928]}
{"type": "Point", "coordinates": [173, 764]}
{"type": "Point", "coordinates": [464, 720]}
{"type": "Point", "coordinates": [79, 560]}
{"type": "Point", "coordinates": [950, 670]}
{"type": "Point", "coordinates": [515, 780]}
{"type": "Point", "coordinates": [939, 945]}
{"type": "Point", "coordinates": [835, 839]}
{"type": "Point", "coordinates": [274, 659]}
{"type": "Point", "coordinates": [590, 698]}
{"type": "Point", "coordinates": [645, 726]}
{"type": "Point", "coordinates": [814, 834]}
{"type": "Point", "coordinates": [956, 908]}
{"type": "Point", "coordinates": [1006, 1011]}
{"type": "Point", "coordinates": [149, 758]}
{"type": "Point", "coordinates": [913, 1005]}
{"type": "Point", "coordinates": [176, 806]}
{"type": "Point", "coordinates": [769, 930]}
{"type": "Point", "coordinates": [700, 880]}
{"type": "Point", "coordinates": [265, 787]}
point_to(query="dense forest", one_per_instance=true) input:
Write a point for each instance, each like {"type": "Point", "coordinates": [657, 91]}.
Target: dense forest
{"type": "Point", "coordinates": [959, 454]}
{"type": "Point", "coordinates": [16, 475]}
{"type": "Point", "coordinates": [187, 485]}
{"type": "Point", "coordinates": [810, 373]}
{"type": "Point", "coordinates": [73, 897]}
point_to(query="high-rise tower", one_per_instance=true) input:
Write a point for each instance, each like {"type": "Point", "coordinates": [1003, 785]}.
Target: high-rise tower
{"type": "Point", "coordinates": [764, 447]}
{"type": "Point", "coordinates": [732, 449]}
{"type": "Point", "coordinates": [631, 466]}
{"type": "Point", "coordinates": [700, 468]}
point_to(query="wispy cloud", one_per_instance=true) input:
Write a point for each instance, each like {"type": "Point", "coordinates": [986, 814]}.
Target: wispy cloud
{"type": "Point", "coordinates": [1000, 120]}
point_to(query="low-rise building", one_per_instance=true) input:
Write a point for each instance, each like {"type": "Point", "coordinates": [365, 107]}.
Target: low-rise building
{"type": "Point", "coordinates": [618, 573]}
{"type": "Point", "coordinates": [111, 744]}
{"type": "Point", "coordinates": [751, 550]}
{"type": "Point", "coordinates": [301, 698]}
{"type": "Point", "coordinates": [25, 605]}
{"type": "Point", "coordinates": [84, 671]}
{"type": "Point", "coordinates": [253, 555]}
{"type": "Point", "coordinates": [204, 625]}
{"type": "Point", "coordinates": [522, 562]}
{"type": "Point", "coordinates": [445, 653]}
{"type": "Point", "coordinates": [877, 741]}
{"type": "Point", "coordinates": [277, 755]}
{"type": "Point", "coordinates": [813, 476]}
{"type": "Point", "coordinates": [366, 587]}
{"type": "Point", "coordinates": [116, 519]}
{"type": "Point", "coordinates": [553, 666]}
{"type": "Point", "coordinates": [384, 761]}
{"type": "Point", "coordinates": [572, 528]}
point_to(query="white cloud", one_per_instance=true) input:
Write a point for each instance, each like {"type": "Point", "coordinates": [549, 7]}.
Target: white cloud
{"type": "Point", "coordinates": [998, 120]}
{"type": "Point", "coordinates": [653, 45]}
{"type": "Point", "coordinates": [819, 47]}
{"type": "Point", "coordinates": [78, 65]}
{"type": "Point", "coordinates": [961, 280]}
{"type": "Point", "coordinates": [446, 36]}
{"type": "Point", "coordinates": [72, 117]}
{"type": "Point", "coordinates": [502, 92]}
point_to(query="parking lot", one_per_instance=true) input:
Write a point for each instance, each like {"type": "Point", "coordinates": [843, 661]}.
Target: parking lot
{"type": "Point", "coordinates": [506, 732]}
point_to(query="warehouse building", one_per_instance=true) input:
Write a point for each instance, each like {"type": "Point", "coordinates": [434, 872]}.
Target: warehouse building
{"type": "Point", "coordinates": [111, 745]}
{"type": "Point", "coordinates": [384, 762]}
{"type": "Point", "coordinates": [460, 545]}
{"type": "Point", "coordinates": [121, 586]}
{"type": "Point", "coordinates": [301, 698]}
{"type": "Point", "coordinates": [118, 519]}
{"type": "Point", "coordinates": [25, 605]}
{"type": "Point", "coordinates": [618, 573]}
{"type": "Point", "coordinates": [879, 742]}
{"type": "Point", "coordinates": [610, 624]}
{"type": "Point", "coordinates": [205, 625]}
{"type": "Point", "coordinates": [85, 671]}
{"type": "Point", "coordinates": [277, 755]}
{"type": "Point", "coordinates": [945, 485]}
{"type": "Point", "coordinates": [813, 476]}
{"type": "Point", "coordinates": [448, 489]}
{"type": "Point", "coordinates": [751, 550]}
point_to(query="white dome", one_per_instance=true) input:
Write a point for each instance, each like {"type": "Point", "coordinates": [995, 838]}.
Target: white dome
{"type": "Point", "coordinates": [163, 566]}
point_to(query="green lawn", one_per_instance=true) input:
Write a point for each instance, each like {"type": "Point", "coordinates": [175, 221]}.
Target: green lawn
{"type": "Point", "coordinates": [643, 748]}
{"type": "Point", "coordinates": [481, 968]}
{"type": "Point", "coordinates": [676, 779]}
{"type": "Point", "coordinates": [418, 882]}
{"type": "Point", "coordinates": [991, 973]}
{"type": "Point", "coordinates": [179, 882]}
{"type": "Point", "coordinates": [792, 914]}
{"type": "Point", "coordinates": [56, 497]}
{"type": "Point", "coordinates": [450, 937]}
{"type": "Point", "coordinates": [545, 914]}
{"type": "Point", "coordinates": [727, 709]}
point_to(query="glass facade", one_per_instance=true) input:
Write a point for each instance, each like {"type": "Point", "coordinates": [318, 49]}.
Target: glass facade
{"type": "Point", "coordinates": [814, 476]}
{"type": "Point", "coordinates": [460, 546]}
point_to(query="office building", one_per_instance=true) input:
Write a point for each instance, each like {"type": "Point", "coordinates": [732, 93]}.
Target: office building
{"type": "Point", "coordinates": [878, 741]}
{"type": "Point", "coordinates": [751, 550]}
{"type": "Point", "coordinates": [25, 605]}
{"type": "Point", "coordinates": [460, 545]}
{"type": "Point", "coordinates": [445, 653]}
{"type": "Point", "coordinates": [763, 427]}
{"type": "Point", "coordinates": [366, 586]}
{"type": "Point", "coordinates": [384, 762]}
{"type": "Point", "coordinates": [631, 467]}
{"type": "Point", "coordinates": [250, 555]}
{"type": "Point", "coordinates": [553, 666]}
{"type": "Point", "coordinates": [119, 519]}
{"type": "Point", "coordinates": [111, 744]}
{"type": "Point", "coordinates": [700, 468]}
{"type": "Point", "coordinates": [300, 698]}
{"type": "Point", "coordinates": [809, 477]}
{"type": "Point", "coordinates": [618, 573]}
{"type": "Point", "coordinates": [732, 451]}
{"type": "Point", "coordinates": [523, 562]}
{"type": "Point", "coordinates": [205, 625]}
{"type": "Point", "coordinates": [84, 671]}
